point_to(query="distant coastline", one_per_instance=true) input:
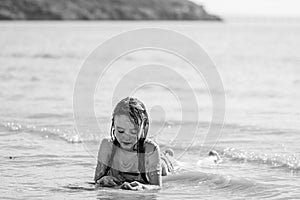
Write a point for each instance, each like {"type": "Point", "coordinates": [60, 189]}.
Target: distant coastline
{"type": "Point", "coordinates": [103, 10]}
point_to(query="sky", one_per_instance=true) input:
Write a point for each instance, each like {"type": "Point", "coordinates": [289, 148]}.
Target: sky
{"type": "Point", "coordinates": [265, 8]}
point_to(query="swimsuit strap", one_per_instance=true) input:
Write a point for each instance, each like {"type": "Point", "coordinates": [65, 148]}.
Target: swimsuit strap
{"type": "Point", "coordinates": [141, 160]}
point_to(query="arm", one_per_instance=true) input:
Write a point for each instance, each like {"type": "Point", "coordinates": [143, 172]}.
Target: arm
{"type": "Point", "coordinates": [100, 171]}
{"type": "Point", "coordinates": [153, 168]}
{"type": "Point", "coordinates": [102, 161]}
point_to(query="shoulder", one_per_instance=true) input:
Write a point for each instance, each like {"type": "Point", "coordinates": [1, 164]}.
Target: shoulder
{"type": "Point", "coordinates": [106, 144]}
{"type": "Point", "coordinates": [152, 156]}
{"type": "Point", "coordinates": [107, 141]}
{"type": "Point", "coordinates": [151, 146]}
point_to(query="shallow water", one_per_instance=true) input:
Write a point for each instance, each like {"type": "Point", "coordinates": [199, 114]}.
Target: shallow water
{"type": "Point", "coordinates": [42, 155]}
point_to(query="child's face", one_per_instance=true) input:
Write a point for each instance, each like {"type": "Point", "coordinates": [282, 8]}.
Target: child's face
{"type": "Point", "coordinates": [125, 131]}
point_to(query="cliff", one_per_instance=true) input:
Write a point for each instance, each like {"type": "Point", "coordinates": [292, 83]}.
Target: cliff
{"type": "Point", "coordinates": [103, 10]}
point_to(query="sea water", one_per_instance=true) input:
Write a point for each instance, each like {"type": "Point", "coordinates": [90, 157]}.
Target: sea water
{"type": "Point", "coordinates": [44, 157]}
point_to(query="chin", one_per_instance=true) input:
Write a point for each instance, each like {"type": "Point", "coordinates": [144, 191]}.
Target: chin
{"type": "Point", "coordinates": [127, 147]}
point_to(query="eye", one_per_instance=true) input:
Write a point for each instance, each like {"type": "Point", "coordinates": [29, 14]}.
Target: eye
{"type": "Point", "coordinates": [133, 133]}
{"type": "Point", "coordinates": [120, 131]}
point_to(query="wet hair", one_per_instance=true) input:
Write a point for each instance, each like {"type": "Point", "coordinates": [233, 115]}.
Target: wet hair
{"type": "Point", "coordinates": [136, 111]}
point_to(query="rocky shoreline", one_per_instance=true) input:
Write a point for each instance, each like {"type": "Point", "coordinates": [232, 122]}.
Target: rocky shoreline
{"type": "Point", "coordinates": [103, 10]}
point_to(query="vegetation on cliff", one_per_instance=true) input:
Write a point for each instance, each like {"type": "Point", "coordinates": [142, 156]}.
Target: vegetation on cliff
{"type": "Point", "coordinates": [103, 10]}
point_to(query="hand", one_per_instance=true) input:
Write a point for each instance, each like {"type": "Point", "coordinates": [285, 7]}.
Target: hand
{"type": "Point", "coordinates": [108, 181]}
{"type": "Point", "coordinates": [135, 185]}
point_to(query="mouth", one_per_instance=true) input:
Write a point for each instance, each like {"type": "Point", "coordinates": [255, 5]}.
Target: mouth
{"type": "Point", "coordinates": [126, 143]}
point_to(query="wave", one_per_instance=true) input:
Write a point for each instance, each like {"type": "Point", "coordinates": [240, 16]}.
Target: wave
{"type": "Point", "coordinates": [40, 55]}
{"type": "Point", "coordinates": [67, 134]}
{"type": "Point", "coordinates": [214, 181]}
{"type": "Point", "coordinates": [51, 98]}
{"type": "Point", "coordinates": [287, 161]}
{"type": "Point", "coordinates": [192, 181]}
{"type": "Point", "coordinates": [281, 161]}
{"type": "Point", "coordinates": [48, 115]}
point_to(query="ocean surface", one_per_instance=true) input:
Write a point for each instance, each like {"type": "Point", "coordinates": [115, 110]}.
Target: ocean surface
{"type": "Point", "coordinates": [42, 156]}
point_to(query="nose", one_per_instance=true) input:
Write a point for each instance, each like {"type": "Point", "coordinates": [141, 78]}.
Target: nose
{"type": "Point", "coordinates": [126, 137]}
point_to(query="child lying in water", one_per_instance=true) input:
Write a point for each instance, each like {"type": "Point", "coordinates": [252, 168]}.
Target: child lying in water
{"type": "Point", "coordinates": [128, 159]}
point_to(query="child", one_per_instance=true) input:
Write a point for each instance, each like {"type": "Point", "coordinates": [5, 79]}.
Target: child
{"type": "Point", "coordinates": [128, 159]}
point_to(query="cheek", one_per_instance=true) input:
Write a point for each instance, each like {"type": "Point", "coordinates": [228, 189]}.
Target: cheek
{"type": "Point", "coordinates": [134, 139]}
{"type": "Point", "coordinates": [120, 136]}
